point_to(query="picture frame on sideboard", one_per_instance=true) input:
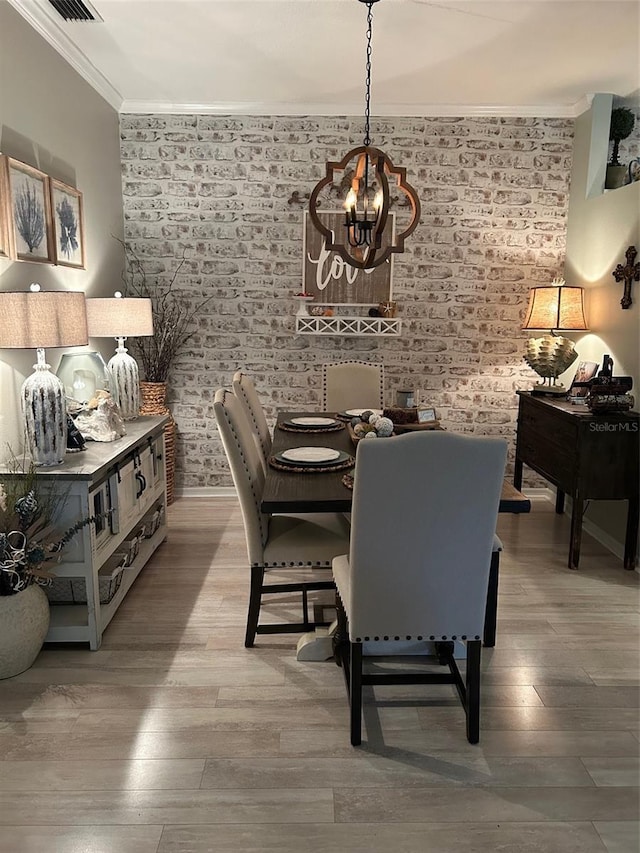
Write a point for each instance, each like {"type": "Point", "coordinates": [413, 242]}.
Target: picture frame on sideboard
{"type": "Point", "coordinates": [586, 370]}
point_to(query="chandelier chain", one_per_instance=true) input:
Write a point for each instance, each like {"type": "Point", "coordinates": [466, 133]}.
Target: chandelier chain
{"type": "Point", "coordinates": [367, 95]}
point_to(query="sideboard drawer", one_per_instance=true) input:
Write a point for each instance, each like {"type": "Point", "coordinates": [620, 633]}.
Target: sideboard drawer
{"type": "Point", "coordinates": [549, 445]}
{"type": "Point", "coordinates": [549, 459]}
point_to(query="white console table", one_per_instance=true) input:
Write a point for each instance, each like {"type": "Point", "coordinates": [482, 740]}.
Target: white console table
{"type": "Point", "coordinates": [126, 476]}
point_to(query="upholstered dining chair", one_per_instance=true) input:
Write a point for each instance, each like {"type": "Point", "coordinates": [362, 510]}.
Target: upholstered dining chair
{"type": "Point", "coordinates": [352, 384]}
{"type": "Point", "coordinates": [423, 518]}
{"type": "Point", "coordinates": [275, 542]}
{"type": "Point", "coordinates": [245, 391]}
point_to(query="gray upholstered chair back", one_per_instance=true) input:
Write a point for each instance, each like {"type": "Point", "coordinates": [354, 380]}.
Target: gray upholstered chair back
{"type": "Point", "coordinates": [246, 468]}
{"type": "Point", "coordinates": [423, 520]}
{"type": "Point", "coordinates": [245, 391]}
{"type": "Point", "coordinates": [352, 385]}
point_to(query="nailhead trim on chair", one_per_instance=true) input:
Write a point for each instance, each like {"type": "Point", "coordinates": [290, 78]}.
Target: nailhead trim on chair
{"type": "Point", "coordinates": [318, 565]}
{"type": "Point", "coordinates": [265, 450]}
{"type": "Point", "coordinates": [351, 361]}
{"type": "Point", "coordinates": [432, 637]}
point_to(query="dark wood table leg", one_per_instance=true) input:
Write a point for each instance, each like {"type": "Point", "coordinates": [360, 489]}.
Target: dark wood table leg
{"type": "Point", "coordinates": [517, 474]}
{"type": "Point", "coordinates": [559, 502]}
{"type": "Point", "coordinates": [631, 538]}
{"type": "Point", "coordinates": [576, 531]}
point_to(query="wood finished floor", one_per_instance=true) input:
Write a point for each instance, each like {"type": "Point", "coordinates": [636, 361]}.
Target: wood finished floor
{"type": "Point", "coordinates": [172, 738]}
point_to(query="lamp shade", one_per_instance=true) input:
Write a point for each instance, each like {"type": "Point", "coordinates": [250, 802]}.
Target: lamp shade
{"type": "Point", "coordinates": [119, 317]}
{"type": "Point", "coordinates": [39, 320]}
{"type": "Point", "coordinates": [556, 307]}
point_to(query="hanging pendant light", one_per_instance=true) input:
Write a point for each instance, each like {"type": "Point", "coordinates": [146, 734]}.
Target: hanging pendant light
{"type": "Point", "coordinates": [366, 239]}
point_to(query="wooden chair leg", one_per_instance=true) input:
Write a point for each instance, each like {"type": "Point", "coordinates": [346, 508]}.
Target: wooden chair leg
{"type": "Point", "coordinates": [474, 648]}
{"type": "Point", "coordinates": [355, 693]}
{"type": "Point", "coordinates": [255, 597]}
{"type": "Point", "coordinates": [491, 610]}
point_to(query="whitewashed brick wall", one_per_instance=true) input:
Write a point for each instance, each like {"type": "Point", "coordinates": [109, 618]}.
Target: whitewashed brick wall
{"type": "Point", "coordinates": [494, 195]}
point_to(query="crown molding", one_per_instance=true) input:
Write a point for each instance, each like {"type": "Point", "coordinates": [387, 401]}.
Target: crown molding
{"type": "Point", "coordinates": [45, 24]}
{"type": "Point", "coordinates": [384, 110]}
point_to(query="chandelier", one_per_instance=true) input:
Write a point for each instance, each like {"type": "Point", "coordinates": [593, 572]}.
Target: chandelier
{"type": "Point", "coordinates": [366, 239]}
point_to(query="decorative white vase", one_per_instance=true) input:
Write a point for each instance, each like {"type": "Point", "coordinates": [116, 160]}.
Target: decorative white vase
{"type": "Point", "coordinates": [303, 311]}
{"type": "Point", "coordinates": [45, 411]}
{"type": "Point", "coordinates": [125, 382]}
{"type": "Point", "coordinates": [24, 622]}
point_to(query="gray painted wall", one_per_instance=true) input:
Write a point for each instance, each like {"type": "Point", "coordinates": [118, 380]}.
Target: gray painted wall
{"type": "Point", "coordinates": [494, 195]}
{"type": "Point", "coordinates": [53, 120]}
{"type": "Point", "coordinates": [601, 225]}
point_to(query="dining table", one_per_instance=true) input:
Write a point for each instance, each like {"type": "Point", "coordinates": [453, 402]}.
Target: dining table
{"type": "Point", "coordinates": [295, 491]}
{"type": "Point", "coordinates": [301, 492]}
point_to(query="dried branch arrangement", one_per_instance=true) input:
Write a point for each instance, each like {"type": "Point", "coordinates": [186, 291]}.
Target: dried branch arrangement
{"type": "Point", "coordinates": [29, 541]}
{"type": "Point", "coordinates": [173, 317]}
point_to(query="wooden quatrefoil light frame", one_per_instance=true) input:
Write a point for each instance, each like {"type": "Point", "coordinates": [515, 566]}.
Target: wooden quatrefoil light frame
{"type": "Point", "coordinates": [369, 256]}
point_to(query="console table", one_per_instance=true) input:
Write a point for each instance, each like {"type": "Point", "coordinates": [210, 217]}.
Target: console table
{"type": "Point", "coordinates": [123, 484]}
{"type": "Point", "coordinates": [584, 455]}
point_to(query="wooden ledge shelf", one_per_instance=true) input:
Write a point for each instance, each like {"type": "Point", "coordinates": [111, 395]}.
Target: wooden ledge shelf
{"type": "Point", "coordinates": [382, 327]}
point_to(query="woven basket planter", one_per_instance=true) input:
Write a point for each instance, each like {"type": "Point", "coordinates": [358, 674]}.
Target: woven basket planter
{"type": "Point", "coordinates": [154, 402]}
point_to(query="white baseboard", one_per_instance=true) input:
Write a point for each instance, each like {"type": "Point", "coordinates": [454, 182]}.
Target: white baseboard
{"type": "Point", "coordinates": [206, 492]}
{"type": "Point", "coordinates": [603, 538]}
{"type": "Point", "coordinates": [542, 493]}
{"type": "Point", "coordinates": [229, 492]}
{"type": "Point", "coordinates": [606, 539]}
{"type": "Point", "coordinates": [535, 494]}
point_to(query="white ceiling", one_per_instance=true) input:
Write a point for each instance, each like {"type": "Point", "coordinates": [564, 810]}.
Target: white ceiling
{"type": "Point", "coordinates": [430, 57]}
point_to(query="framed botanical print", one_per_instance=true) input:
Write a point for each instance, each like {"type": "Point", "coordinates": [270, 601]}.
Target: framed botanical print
{"type": "Point", "coordinates": [5, 212]}
{"type": "Point", "coordinates": [30, 213]}
{"type": "Point", "coordinates": [68, 225]}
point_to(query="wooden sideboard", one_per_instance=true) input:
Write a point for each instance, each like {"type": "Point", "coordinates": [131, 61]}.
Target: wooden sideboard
{"type": "Point", "coordinates": [584, 455]}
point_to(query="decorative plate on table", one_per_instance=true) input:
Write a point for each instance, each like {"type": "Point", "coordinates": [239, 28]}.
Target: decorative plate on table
{"type": "Point", "coordinates": [311, 424]}
{"type": "Point", "coordinates": [310, 455]}
{"type": "Point", "coordinates": [355, 413]}
{"type": "Point", "coordinates": [312, 459]}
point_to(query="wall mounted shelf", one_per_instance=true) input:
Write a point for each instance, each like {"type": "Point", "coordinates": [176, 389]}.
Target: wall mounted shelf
{"type": "Point", "coordinates": [382, 327]}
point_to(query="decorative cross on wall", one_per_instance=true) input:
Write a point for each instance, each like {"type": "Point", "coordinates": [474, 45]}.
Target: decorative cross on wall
{"type": "Point", "coordinates": [628, 273]}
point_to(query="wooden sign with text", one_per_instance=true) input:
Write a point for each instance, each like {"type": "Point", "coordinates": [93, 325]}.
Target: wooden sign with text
{"type": "Point", "coordinates": [331, 280]}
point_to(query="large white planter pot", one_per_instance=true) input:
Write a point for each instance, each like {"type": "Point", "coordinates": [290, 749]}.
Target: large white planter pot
{"type": "Point", "coordinates": [24, 622]}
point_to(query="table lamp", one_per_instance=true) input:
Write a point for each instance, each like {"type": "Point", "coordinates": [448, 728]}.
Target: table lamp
{"type": "Point", "coordinates": [36, 320]}
{"type": "Point", "coordinates": [122, 317]}
{"type": "Point", "coordinates": [555, 307]}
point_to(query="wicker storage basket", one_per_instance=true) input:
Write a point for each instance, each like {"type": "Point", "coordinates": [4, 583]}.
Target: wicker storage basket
{"type": "Point", "coordinates": [154, 402]}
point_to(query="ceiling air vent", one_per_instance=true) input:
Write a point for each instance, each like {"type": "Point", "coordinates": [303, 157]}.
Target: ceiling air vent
{"type": "Point", "coordinates": [75, 10]}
